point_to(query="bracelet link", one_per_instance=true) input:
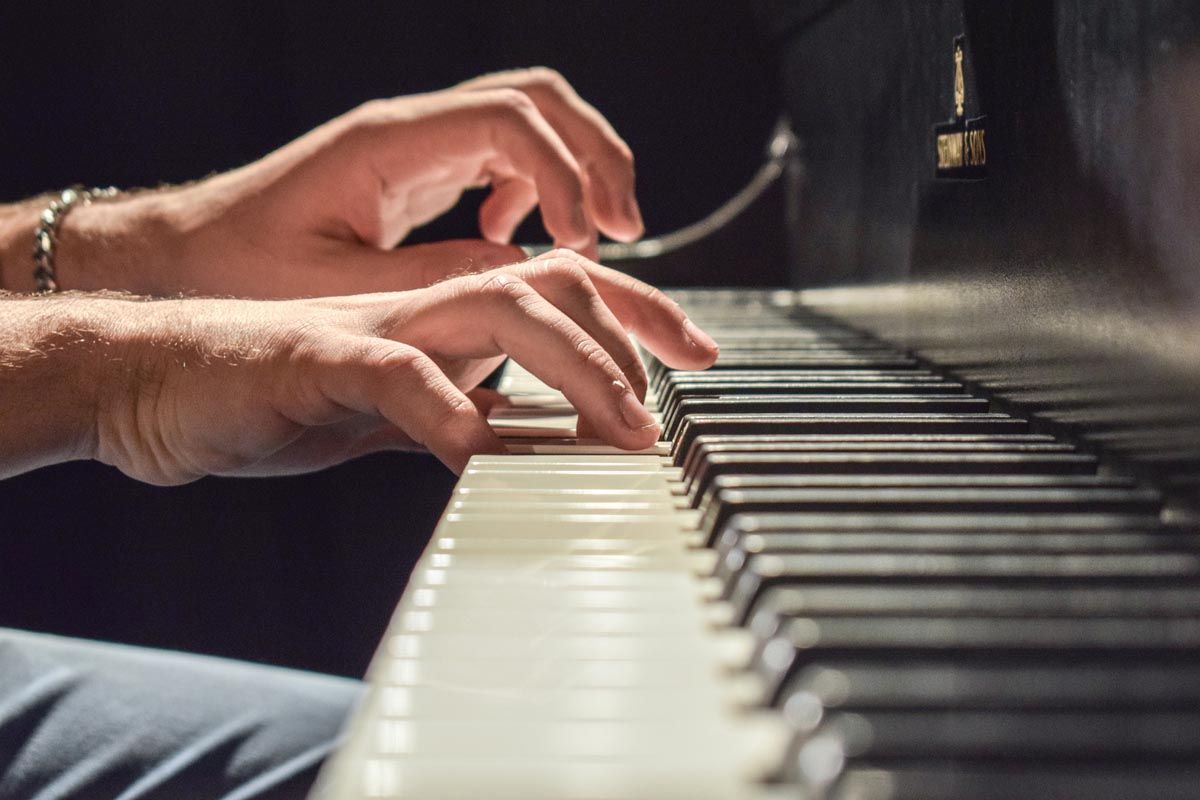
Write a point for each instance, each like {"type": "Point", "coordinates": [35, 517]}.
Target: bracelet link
{"type": "Point", "coordinates": [45, 238]}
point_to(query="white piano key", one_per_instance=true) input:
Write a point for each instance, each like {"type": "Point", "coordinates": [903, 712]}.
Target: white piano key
{"type": "Point", "coordinates": [486, 494]}
{"type": "Point", "coordinates": [545, 621]}
{"type": "Point", "coordinates": [550, 446]}
{"type": "Point", "coordinates": [669, 517]}
{"type": "Point", "coordinates": [629, 580]}
{"type": "Point", "coordinates": [559, 704]}
{"type": "Point", "coordinates": [560, 562]}
{"type": "Point", "coordinates": [553, 544]}
{"type": "Point", "coordinates": [524, 598]}
{"type": "Point", "coordinates": [561, 779]}
{"type": "Point", "coordinates": [643, 740]}
{"type": "Point", "coordinates": [573, 505]}
{"type": "Point", "coordinates": [551, 478]}
{"type": "Point", "coordinates": [514, 675]}
{"type": "Point", "coordinates": [682, 647]}
{"type": "Point", "coordinates": [618, 459]}
{"type": "Point", "coordinates": [593, 526]}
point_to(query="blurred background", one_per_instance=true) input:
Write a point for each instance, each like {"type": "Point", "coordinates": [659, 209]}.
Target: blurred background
{"type": "Point", "coordinates": [305, 571]}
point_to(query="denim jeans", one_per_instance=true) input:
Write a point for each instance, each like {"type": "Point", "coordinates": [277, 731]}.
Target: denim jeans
{"type": "Point", "coordinates": [81, 719]}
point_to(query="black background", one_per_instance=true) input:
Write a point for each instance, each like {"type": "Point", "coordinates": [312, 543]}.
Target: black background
{"type": "Point", "coordinates": [304, 571]}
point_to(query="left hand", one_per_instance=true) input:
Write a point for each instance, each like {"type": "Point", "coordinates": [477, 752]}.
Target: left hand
{"type": "Point", "coordinates": [324, 214]}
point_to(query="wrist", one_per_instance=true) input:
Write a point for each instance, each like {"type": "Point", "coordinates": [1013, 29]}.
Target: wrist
{"type": "Point", "coordinates": [52, 352]}
{"type": "Point", "coordinates": [126, 244]}
{"type": "Point", "coordinates": [17, 224]}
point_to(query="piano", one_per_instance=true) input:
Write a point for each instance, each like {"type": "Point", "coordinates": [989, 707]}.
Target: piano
{"type": "Point", "coordinates": [930, 528]}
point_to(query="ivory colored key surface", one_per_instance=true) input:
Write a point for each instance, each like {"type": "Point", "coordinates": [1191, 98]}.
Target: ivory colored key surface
{"type": "Point", "coordinates": [554, 643]}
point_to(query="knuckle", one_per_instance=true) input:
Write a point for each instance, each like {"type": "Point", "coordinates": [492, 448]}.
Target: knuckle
{"type": "Point", "coordinates": [593, 358]}
{"type": "Point", "coordinates": [368, 116]}
{"type": "Point", "coordinates": [651, 295]}
{"type": "Point", "coordinates": [505, 287]}
{"type": "Point", "coordinates": [510, 103]}
{"type": "Point", "coordinates": [549, 78]}
{"type": "Point", "coordinates": [634, 370]}
{"type": "Point", "coordinates": [455, 411]}
{"type": "Point", "coordinates": [393, 358]}
{"type": "Point", "coordinates": [371, 109]}
{"type": "Point", "coordinates": [624, 154]}
{"type": "Point", "coordinates": [567, 272]}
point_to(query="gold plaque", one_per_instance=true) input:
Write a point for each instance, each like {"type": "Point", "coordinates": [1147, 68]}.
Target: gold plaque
{"type": "Point", "coordinates": [961, 143]}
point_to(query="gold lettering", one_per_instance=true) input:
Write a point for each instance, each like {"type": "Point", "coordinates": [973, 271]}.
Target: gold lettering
{"type": "Point", "coordinates": [975, 154]}
{"type": "Point", "coordinates": [950, 150]}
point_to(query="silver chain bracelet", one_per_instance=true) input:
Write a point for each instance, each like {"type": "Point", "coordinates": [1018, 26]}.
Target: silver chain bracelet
{"type": "Point", "coordinates": [45, 238]}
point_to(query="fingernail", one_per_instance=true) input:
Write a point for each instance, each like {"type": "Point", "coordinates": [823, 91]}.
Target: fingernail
{"type": "Point", "coordinates": [698, 337]}
{"type": "Point", "coordinates": [634, 214]}
{"type": "Point", "coordinates": [636, 417]}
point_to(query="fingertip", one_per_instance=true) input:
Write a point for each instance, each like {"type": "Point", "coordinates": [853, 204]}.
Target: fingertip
{"type": "Point", "coordinates": [699, 340]}
{"type": "Point", "coordinates": [588, 246]}
{"type": "Point", "coordinates": [483, 442]}
{"type": "Point", "coordinates": [630, 226]}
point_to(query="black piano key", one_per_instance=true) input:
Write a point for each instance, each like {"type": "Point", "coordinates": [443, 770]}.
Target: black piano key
{"type": "Point", "coordinates": [884, 736]}
{"type": "Point", "coordinates": [750, 539]}
{"type": "Point", "coordinates": [840, 424]}
{"type": "Point", "coordinates": [706, 495]}
{"type": "Point", "coordinates": [780, 603]}
{"type": "Point", "coordinates": [1034, 780]}
{"type": "Point", "coordinates": [785, 443]}
{"type": "Point", "coordinates": [984, 500]}
{"type": "Point", "coordinates": [793, 359]}
{"type": "Point", "coordinates": [673, 391]}
{"type": "Point", "coordinates": [993, 570]}
{"type": "Point", "coordinates": [867, 522]}
{"type": "Point", "coordinates": [805, 641]}
{"type": "Point", "coordinates": [913, 375]}
{"type": "Point", "coordinates": [850, 685]}
{"type": "Point", "coordinates": [672, 395]}
{"type": "Point", "coordinates": [728, 465]}
{"type": "Point", "coordinates": [1037, 735]}
{"type": "Point", "coordinates": [733, 556]}
{"type": "Point", "coordinates": [821, 404]}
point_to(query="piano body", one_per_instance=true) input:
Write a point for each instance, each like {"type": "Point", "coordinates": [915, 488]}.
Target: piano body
{"type": "Point", "coordinates": [929, 528]}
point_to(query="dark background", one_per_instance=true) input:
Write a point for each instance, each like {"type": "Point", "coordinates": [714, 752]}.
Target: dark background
{"type": "Point", "coordinates": [1078, 250]}
{"type": "Point", "coordinates": [305, 571]}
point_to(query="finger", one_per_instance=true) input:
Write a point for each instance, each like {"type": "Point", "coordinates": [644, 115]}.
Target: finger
{"type": "Point", "coordinates": [485, 315]}
{"type": "Point", "coordinates": [405, 387]}
{"type": "Point", "coordinates": [567, 286]}
{"type": "Point", "coordinates": [508, 203]}
{"type": "Point", "coordinates": [486, 399]}
{"type": "Point", "coordinates": [352, 268]}
{"type": "Point", "coordinates": [498, 131]}
{"type": "Point", "coordinates": [604, 156]}
{"type": "Point", "coordinates": [657, 320]}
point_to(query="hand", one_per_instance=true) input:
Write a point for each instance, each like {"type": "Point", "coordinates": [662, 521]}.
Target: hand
{"type": "Point", "coordinates": [236, 387]}
{"type": "Point", "coordinates": [323, 215]}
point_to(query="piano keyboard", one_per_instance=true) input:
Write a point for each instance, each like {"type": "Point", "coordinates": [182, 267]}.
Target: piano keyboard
{"type": "Point", "coordinates": [841, 574]}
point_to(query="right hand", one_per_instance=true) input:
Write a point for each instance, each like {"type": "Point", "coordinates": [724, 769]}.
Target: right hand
{"type": "Point", "coordinates": [240, 387]}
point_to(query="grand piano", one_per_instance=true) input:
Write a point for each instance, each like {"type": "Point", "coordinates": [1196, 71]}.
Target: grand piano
{"type": "Point", "coordinates": [929, 528]}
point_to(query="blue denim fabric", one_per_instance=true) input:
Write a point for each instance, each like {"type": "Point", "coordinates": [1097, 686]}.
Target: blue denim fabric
{"type": "Point", "coordinates": [82, 719]}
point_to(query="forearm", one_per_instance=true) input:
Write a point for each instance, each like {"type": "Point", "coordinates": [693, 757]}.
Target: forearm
{"type": "Point", "coordinates": [50, 351]}
{"type": "Point", "coordinates": [129, 244]}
